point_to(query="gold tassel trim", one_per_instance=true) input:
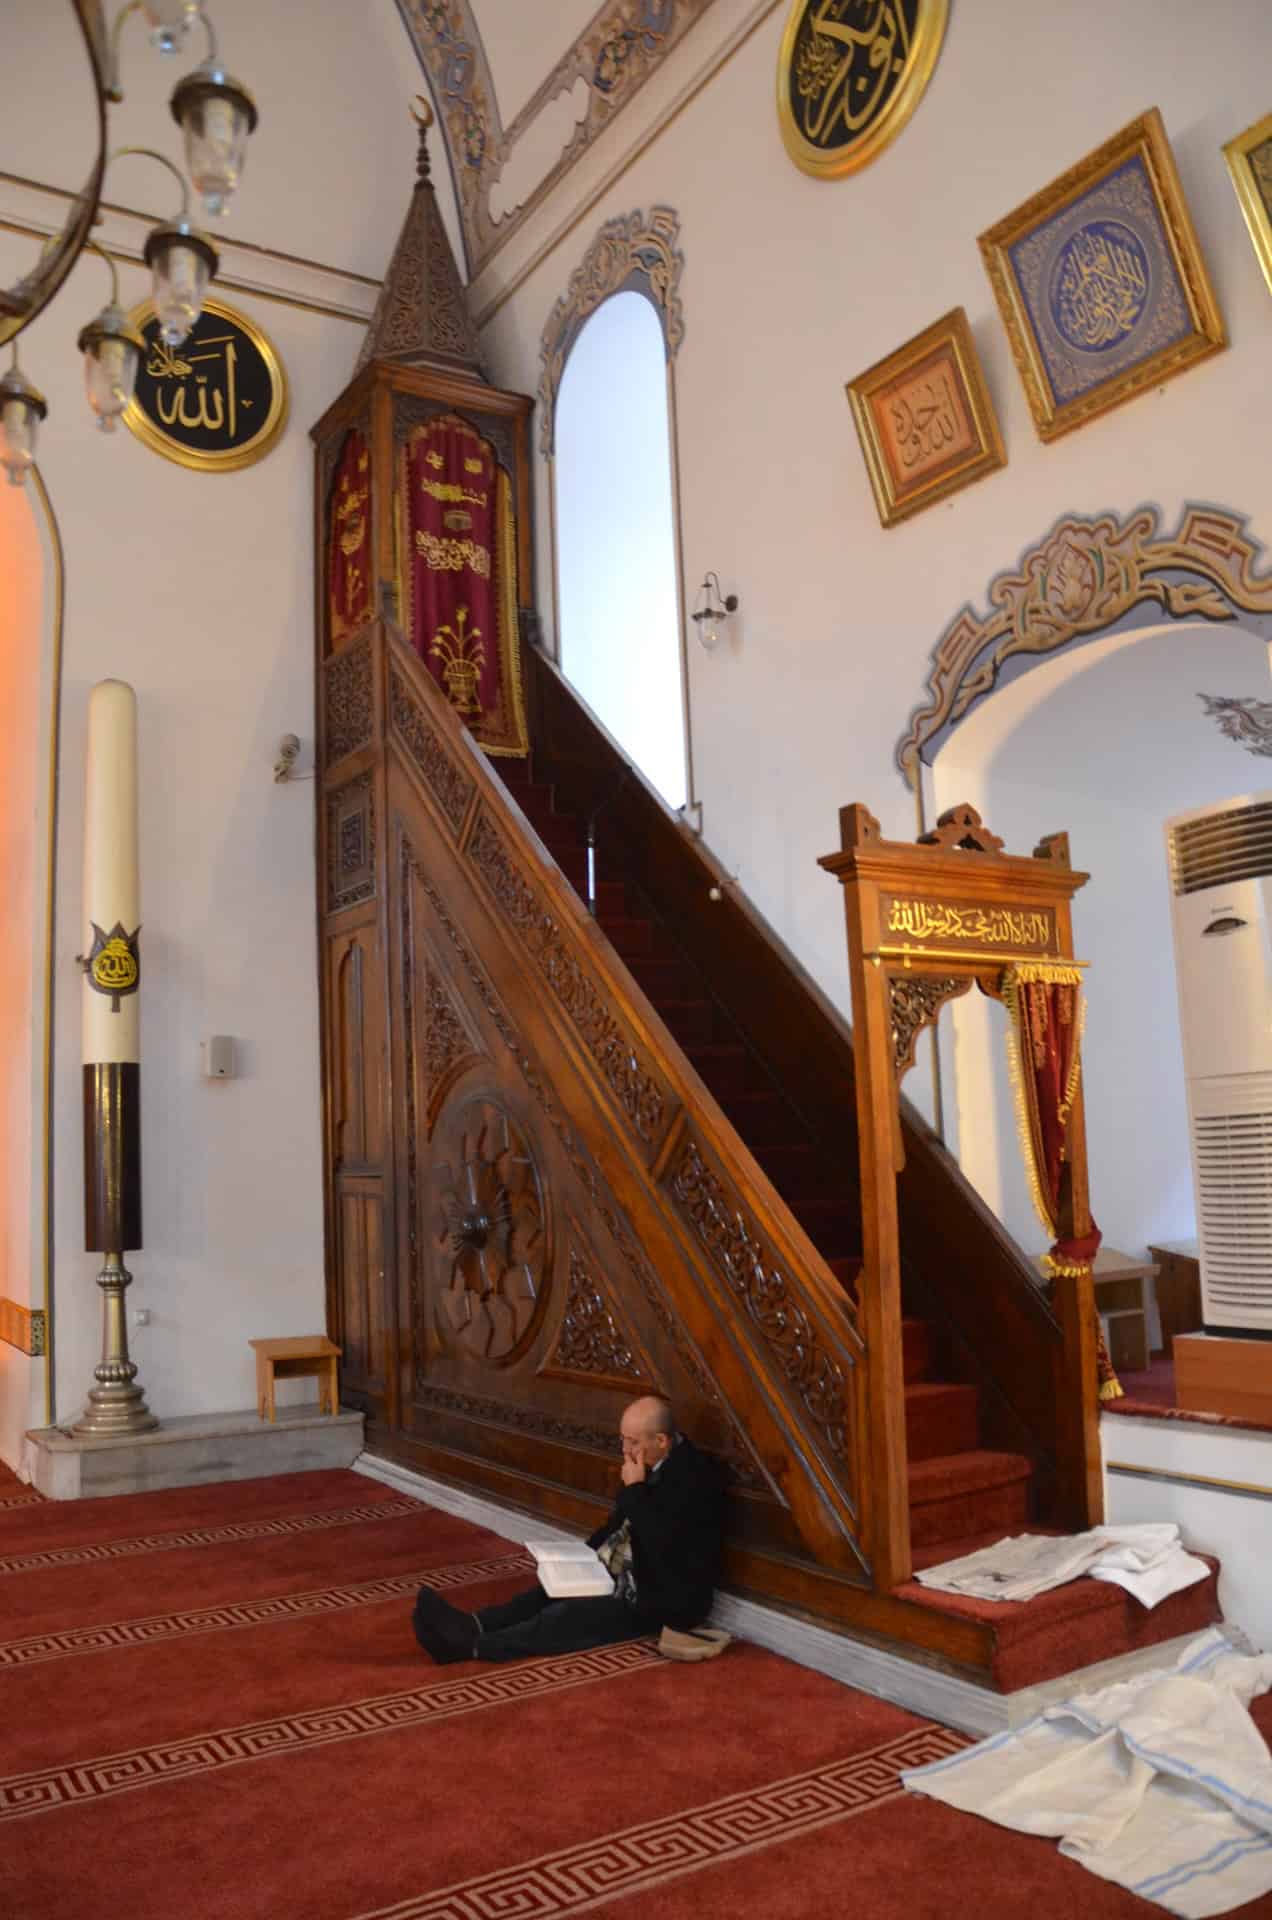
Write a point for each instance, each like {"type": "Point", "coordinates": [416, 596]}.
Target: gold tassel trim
{"type": "Point", "coordinates": [509, 624]}
{"type": "Point", "coordinates": [1050, 973]}
{"type": "Point", "coordinates": [1015, 1069]}
{"type": "Point", "coordinates": [1112, 1390]}
{"type": "Point", "coordinates": [1066, 1269]}
{"type": "Point", "coordinates": [1075, 1069]}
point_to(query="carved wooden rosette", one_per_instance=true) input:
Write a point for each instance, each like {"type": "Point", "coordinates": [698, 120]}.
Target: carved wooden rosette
{"type": "Point", "coordinates": [1087, 577]}
{"type": "Point", "coordinates": [923, 922]}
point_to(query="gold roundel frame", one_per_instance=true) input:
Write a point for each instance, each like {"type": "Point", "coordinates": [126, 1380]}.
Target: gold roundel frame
{"type": "Point", "coordinates": [143, 428]}
{"type": "Point", "coordinates": [829, 163]}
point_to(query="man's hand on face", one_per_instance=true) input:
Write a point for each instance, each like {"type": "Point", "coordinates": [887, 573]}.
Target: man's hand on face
{"type": "Point", "coordinates": [633, 1470]}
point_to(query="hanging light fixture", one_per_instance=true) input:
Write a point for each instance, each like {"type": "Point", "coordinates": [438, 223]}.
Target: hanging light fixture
{"type": "Point", "coordinates": [181, 260]}
{"type": "Point", "coordinates": [22, 407]}
{"type": "Point", "coordinates": [112, 350]}
{"type": "Point", "coordinates": [711, 608]}
{"type": "Point", "coordinates": [217, 114]}
{"type": "Point", "coordinates": [169, 22]}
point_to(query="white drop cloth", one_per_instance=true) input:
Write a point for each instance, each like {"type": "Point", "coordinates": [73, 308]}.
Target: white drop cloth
{"type": "Point", "coordinates": [1149, 1560]}
{"type": "Point", "coordinates": [1161, 1783]}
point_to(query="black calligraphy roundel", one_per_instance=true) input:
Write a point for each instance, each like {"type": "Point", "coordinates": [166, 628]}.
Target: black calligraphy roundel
{"type": "Point", "coordinates": [850, 74]}
{"type": "Point", "coordinates": [216, 402]}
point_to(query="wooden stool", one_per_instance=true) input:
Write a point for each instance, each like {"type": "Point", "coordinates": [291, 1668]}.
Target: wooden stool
{"type": "Point", "coordinates": [306, 1353]}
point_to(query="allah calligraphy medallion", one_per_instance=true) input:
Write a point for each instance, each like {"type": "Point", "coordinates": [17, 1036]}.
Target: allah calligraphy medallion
{"type": "Point", "coordinates": [114, 965]}
{"type": "Point", "coordinates": [849, 75]}
{"type": "Point", "coordinates": [216, 402]}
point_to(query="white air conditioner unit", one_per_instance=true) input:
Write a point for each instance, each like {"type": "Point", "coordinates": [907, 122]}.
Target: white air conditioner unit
{"type": "Point", "coordinates": [1221, 876]}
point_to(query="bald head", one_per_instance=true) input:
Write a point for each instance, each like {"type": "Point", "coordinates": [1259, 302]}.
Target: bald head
{"type": "Point", "coordinates": [648, 1430]}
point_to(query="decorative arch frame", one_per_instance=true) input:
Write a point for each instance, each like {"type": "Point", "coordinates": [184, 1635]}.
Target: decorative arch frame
{"type": "Point", "coordinates": [1088, 578]}
{"type": "Point", "coordinates": [635, 253]}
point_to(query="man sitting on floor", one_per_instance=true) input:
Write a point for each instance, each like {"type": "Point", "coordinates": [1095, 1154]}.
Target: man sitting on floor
{"type": "Point", "coordinates": [661, 1544]}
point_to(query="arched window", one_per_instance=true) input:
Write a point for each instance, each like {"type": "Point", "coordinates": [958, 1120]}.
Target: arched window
{"type": "Point", "coordinates": [619, 617]}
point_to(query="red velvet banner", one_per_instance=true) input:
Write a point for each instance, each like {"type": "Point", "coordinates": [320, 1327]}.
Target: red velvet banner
{"type": "Point", "coordinates": [1046, 1020]}
{"type": "Point", "coordinates": [349, 600]}
{"type": "Point", "coordinates": [457, 561]}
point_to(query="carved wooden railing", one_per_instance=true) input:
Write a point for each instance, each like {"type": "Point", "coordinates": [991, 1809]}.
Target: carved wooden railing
{"type": "Point", "coordinates": [480, 978]}
{"type": "Point", "coordinates": [961, 1268]}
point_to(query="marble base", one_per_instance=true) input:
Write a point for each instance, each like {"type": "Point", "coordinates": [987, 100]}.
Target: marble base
{"type": "Point", "coordinates": [189, 1450]}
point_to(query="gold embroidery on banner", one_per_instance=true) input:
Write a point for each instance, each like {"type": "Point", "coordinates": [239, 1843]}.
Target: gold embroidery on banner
{"type": "Point", "coordinates": [473, 466]}
{"type": "Point", "coordinates": [447, 490]}
{"type": "Point", "coordinates": [435, 461]}
{"type": "Point", "coordinates": [452, 556]}
{"type": "Point", "coordinates": [463, 655]}
{"type": "Point", "coordinates": [934, 920]}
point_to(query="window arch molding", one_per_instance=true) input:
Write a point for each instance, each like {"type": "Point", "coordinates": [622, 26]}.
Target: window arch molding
{"type": "Point", "coordinates": [636, 253]}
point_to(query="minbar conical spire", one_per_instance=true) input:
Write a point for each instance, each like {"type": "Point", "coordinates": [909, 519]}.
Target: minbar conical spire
{"type": "Point", "coordinates": [421, 318]}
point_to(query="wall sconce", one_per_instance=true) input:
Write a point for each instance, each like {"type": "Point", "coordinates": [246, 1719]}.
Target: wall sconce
{"type": "Point", "coordinates": [112, 351]}
{"type": "Point", "coordinates": [711, 607]}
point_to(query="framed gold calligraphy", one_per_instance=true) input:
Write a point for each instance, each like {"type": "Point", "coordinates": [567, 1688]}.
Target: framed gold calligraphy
{"type": "Point", "coordinates": [849, 75]}
{"type": "Point", "coordinates": [1249, 159]}
{"type": "Point", "coordinates": [1101, 283]}
{"type": "Point", "coordinates": [925, 420]}
{"type": "Point", "coordinates": [216, 402]}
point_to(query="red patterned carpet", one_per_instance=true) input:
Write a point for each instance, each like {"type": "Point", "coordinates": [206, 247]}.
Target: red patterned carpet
{"type": "Point", "coordinates": [211, 1704]}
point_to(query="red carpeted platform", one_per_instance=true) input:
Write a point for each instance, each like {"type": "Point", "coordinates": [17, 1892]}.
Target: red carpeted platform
{"type": "Point", "coordinates": [211, 1704]}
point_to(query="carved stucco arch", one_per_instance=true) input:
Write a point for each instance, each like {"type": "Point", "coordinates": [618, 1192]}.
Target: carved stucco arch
{"type": "Point", "coordinates": [635, 253]}
{"type": "Point", "coordinates": [1087, 579]}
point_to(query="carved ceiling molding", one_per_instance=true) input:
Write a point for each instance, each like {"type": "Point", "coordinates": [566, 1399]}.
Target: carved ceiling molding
{"type": "Point", "coordinates": [622, 45]}
{"type": "Point", "coordinates": [1088, 578]}
{"type": "Point", "coordinates": [634, 253]}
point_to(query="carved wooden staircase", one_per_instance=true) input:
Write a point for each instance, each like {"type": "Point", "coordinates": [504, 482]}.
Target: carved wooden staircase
{"type": "Point", "coordinates": [959, 1490]}
{"type": "Point", "coordinates": [574, 1156]}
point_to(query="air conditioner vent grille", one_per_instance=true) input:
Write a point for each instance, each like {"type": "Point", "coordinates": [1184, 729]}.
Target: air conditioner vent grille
{"type": "Point", "coordinates": [1223, 847]}
{"type": "Point", "coordinates": [1233, 1158]}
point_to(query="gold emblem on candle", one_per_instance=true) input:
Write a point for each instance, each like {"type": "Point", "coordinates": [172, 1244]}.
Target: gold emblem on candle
{"type": "Point", "coordinates": [114, 965]}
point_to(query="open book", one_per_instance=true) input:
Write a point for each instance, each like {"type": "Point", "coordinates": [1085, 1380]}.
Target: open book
{"type": "Point", "coordinates": [569, 1570]}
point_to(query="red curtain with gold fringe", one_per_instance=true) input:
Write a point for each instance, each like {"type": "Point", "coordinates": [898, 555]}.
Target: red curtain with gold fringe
{"type": "Point", "coordinates": [1044, 1003]}
{"type": "Point", "coordinates": [349, 601]}
{"type": "Point", "coordinates": [457, 577]}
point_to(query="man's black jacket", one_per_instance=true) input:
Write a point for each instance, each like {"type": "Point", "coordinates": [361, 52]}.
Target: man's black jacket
{"type": "Point", "coordinates": [677, 1522]}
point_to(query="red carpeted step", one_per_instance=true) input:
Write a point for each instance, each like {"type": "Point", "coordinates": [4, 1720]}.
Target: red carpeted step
{"type": "Point", "coordinates": [665, 979]}
{"type": "Point", "coordinates": [798, 1171]}
{"type": "Point", "coordinates": [974, 1492]}
{"type": "Point", "coordinates": [722, 1067]}
{"type": "Point", "coordinates": [916, 1346]}
{"type": "Point", "coordinates": [691, 1022]}
{"type": "Point", "coordinates": [847, 1271]}
{"type": "Point", "coordinates": [1072, 1626]}
{"type": "Point", "coordinates": [940, 1418]}
{"type": "Point", "coordinates": [763, 1119]}
{"type": "Point", "coordinates": [830, 1226]}
{"type": "Point", "coordinates": [628, 935]}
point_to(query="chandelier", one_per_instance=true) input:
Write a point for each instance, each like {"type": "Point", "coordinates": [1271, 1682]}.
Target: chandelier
{"type": "Point", "coordinates": [217, 116]}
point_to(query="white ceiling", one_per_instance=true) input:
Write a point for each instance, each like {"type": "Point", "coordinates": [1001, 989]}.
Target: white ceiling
{"type": "Point", "coordinates": [524, 39]}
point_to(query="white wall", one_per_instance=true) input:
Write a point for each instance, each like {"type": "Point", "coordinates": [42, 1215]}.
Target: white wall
{"type": "Point", "coordinates": [198, 590]}
{"type": "Point", "coordinates": [793, 285]}
{"type": "Point", "coordinates": [616, 545]}
{"type": "Point", "coordinates": [1106, 742]}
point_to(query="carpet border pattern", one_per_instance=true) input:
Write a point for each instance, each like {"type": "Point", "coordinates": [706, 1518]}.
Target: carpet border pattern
{"type": "Point", "coordinates": [35, 1648]}
{"type": "Point", "coordinates": [50, 1557]}
{"type": "Point", "coordinates": [634, 1859]}
{"type": "Point", "coordinates": [50, 1789]}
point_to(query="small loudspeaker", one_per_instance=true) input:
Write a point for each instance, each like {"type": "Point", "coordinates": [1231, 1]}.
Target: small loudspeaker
{"type": "Point", "coordinates": [218, 1057]}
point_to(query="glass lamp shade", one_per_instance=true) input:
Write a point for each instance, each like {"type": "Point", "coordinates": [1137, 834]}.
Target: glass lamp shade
{"type": "Point", "coordinates": [22, 408]}
{"type": "Point", "coordinates": [216, 113]}
{"type": "Point", "coordinates": [181, 264]}
{"type": "Point", "coordinates": [112, 351]}
{"type": "Point", "coordinates": [169, 22]}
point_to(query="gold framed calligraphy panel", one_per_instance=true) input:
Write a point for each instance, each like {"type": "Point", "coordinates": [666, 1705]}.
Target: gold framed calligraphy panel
{"type": "Point", "coordinates": [215, 403]}
{"type": "Point", "coordinates": [948, 927]}
{"type": "Point", "coordinates": [1101, 283]}
{"type": "Point", "coordinates": [925, 420]}
{"type": "Point", "coordinates": [849, 75]}
{"type": "Point", "coordinates": [1249, 159]}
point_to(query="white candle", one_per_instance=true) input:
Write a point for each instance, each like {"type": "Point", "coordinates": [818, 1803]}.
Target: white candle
{"type": "Point", "coordinates": [112, 911]}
